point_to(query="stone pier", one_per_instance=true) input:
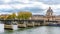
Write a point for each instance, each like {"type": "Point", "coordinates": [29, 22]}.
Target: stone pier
{"type": "Point", "coordinates": [44, 23]}
{"type": "Point", "coordinates": [8, 25]}
{"type": "Point", "coordinates": [30, 24]}
{"type": "Point", "coordinates": [22, 24]}
{"type": "Point", "coordinates": [37, 23]}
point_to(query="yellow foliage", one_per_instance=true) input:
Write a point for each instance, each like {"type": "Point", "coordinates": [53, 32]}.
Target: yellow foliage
{"type": "Point", "coordinates": [24, 15]}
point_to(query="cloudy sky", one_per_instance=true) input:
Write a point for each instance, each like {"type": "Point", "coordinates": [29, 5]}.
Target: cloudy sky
{"type": "Point", "coordinates": [34, 6]}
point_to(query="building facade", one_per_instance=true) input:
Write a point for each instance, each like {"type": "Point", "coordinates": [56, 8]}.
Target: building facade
{"type": "Point", "coordinates": [49, 16]}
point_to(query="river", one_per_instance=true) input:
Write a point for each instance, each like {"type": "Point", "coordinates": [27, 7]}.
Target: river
{"type": "Point", "coordinates": [34, 30]}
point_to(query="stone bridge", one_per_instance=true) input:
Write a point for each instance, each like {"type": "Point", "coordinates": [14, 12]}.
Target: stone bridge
{"type": "Point", "coordinates": [25, 23]}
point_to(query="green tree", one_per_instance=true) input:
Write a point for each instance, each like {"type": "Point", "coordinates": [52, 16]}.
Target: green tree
{"type": "Point", "coordinates": [9, 17]}
{"type": "Point", "coordinates": [12, 16]}
{"type": "Point", "coordinates": [24, 15]}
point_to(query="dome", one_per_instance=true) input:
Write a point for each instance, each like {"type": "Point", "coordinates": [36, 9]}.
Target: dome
{"type": "Point", "coordinates": [49, 10]}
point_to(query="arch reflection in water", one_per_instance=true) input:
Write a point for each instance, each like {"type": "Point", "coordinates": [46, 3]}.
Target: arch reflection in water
{"type": "Point", "coordinates": [15, 27]}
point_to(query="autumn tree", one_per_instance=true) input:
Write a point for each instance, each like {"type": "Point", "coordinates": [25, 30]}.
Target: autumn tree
{"type": "Point", "coordinates": [12, 16]}
{"type": "Point", "coordinates": [4, 17]}
{"type": "Point", "coordinates": [9, 17]}
{"type": "Point", "coordinates": [24, 15]}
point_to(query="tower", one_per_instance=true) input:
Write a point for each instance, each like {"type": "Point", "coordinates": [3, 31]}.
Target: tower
{"type": "Point", "coordinates": [49, 12]}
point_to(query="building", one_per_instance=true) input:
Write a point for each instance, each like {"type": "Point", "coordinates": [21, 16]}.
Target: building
{"type": "Point", "coordinates": [49, 16]}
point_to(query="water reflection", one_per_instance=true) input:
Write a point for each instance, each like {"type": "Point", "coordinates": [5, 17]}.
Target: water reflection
{"type": "Point", "coordinates": [15, 27]}
{"type": "Point", "coordinates": [1, 28]}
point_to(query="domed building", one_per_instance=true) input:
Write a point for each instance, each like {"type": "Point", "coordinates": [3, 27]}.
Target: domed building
{"type": "Point", "coordinates": [49, 16]}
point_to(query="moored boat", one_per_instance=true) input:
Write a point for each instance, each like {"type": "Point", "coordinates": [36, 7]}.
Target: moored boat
{"type": "Point", "coordinates": [53, 24]}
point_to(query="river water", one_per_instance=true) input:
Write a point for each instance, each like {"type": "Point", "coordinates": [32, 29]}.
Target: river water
{"type": "Point", "coordinates": [34, 30]}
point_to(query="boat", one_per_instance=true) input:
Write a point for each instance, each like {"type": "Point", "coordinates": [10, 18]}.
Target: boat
{"type": "Point", "coordinates": [53, 24]}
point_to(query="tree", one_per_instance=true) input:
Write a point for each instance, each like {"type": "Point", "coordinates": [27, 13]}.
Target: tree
{"type": "Point", "coordinates": [4, 17]}
{"type": "Point", "coordinates": [9, 17]}
{"type": "Point", "coordinates": [12, 16]}
{"type": "Point", "coordinates": [24, 15]}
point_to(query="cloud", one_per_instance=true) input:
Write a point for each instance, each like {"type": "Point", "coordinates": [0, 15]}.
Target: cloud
{"type": "Point", "coordinates": [50, 2]}
{"type": "Point", "coordinates": [32, 9]}
{"type": "Point", "coordinates": [24, 3]}
{"type": "Point", "coordinates": [13, 1]}
{"type": "Point", "coordinates": [29, 5]}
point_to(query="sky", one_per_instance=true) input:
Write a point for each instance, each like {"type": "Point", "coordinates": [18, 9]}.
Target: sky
{"type": "Point", "coordinates": [34, 6]}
